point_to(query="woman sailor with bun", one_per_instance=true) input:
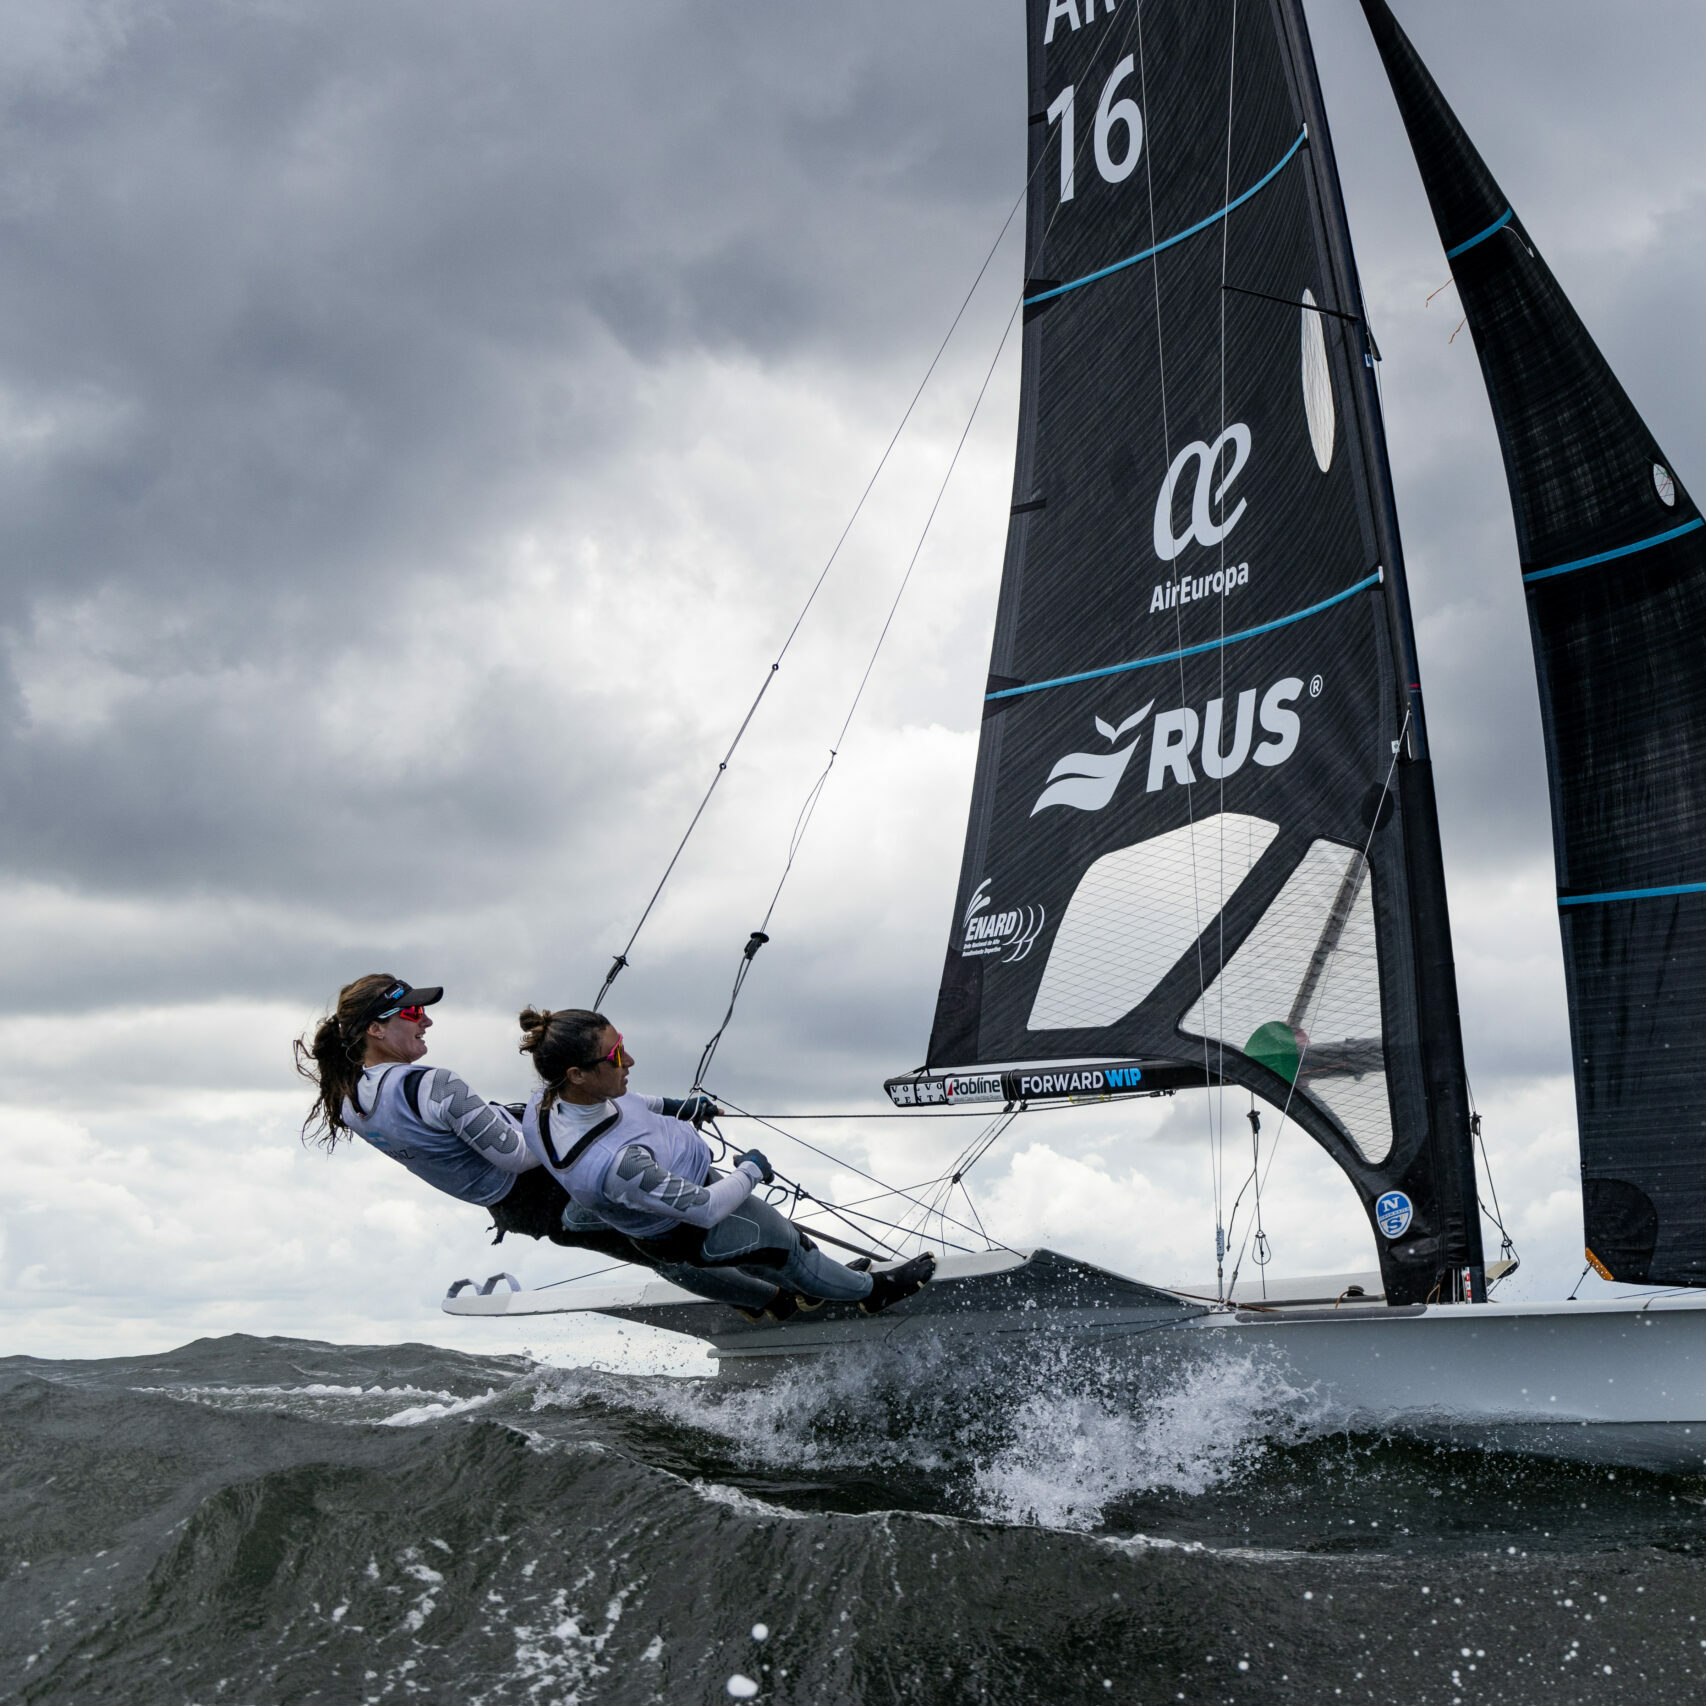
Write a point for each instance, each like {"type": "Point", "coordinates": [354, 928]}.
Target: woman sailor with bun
{"type": "Point", "coordinates": [646, 1172]}
{"type": "Point", "coordinates": [363, 1061]}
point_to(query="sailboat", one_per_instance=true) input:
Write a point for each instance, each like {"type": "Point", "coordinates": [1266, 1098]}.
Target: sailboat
{"type": "Point", "coordinates": [1203, 849]}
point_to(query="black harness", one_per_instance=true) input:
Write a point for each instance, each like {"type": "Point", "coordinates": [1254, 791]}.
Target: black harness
{"type": "Point", "coordinates": [564, 1162]}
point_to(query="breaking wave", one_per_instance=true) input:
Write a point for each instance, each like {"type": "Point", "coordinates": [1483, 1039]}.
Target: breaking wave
{"type": "Point", "coordinates": [270, 1521]}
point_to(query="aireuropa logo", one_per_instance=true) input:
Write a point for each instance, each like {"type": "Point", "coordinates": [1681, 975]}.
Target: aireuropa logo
{"type": "Point", "coordinates": [1392, 1214]}
{"type": "Point", "coordinates": [1087, 781]}
{"type": "Point", "coordinates": [1206, 497]}
{"type": "Point", "coordinates": [1012, 933]}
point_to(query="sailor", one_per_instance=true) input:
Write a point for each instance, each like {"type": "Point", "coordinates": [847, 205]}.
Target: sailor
{"type": "Point", "coordinates": [363, 1062]}
{"type": "Point", "coordinates": [647, 1172]}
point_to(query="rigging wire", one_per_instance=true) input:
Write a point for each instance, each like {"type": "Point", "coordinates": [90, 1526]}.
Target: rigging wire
{"type": "Point", "coordinates": [839, 1161]}
{"type": "Point", "coordinates": [759, 937]}
{"type": "Point", "coordinates": [620, 962]}
{"type": "Point", "coordinates": [803, 822]}
{"type": "Point", "coordinates": [1507, 1245]}
{"type": "Point", "coordinates": [1217, 1113]}
{"type": "Point", "coordinates": [1327, 970]}
{"type": "Point", "coordinates": [1216, 1182]}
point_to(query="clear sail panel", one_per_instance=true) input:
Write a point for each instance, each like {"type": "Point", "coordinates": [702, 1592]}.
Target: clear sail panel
{"type": "Point", "coordinates": [1301, 996]}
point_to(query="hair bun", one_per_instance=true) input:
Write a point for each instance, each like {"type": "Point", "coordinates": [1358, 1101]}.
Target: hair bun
{"type": "Point", "coordinates": [534, 1023]}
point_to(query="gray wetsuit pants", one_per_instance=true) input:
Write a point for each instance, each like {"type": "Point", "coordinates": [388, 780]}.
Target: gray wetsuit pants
{"type": "Point", "coordinates": [758, 1250]}
{"type": "Point", "coordinates": [761, 1241]}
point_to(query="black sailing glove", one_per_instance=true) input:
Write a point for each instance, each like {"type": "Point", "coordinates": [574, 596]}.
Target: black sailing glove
{"type": "Point", "coordinates": [694, 1109]}
{"type": "Point", "coordinates": [760, 1161]}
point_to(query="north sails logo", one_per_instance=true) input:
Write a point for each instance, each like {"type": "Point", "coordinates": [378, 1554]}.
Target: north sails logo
{"type": "Point", "coordinates": [1087, 781]}
{"type": "Point", "coordinates": [1013, 933]}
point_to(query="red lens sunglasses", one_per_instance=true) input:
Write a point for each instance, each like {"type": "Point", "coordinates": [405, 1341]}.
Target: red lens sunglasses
{"type": "Point", "coordinates": [613, 1058]}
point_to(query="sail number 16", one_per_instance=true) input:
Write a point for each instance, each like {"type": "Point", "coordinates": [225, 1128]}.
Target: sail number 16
{"type": "Point", "coordinates": [1109, 113]}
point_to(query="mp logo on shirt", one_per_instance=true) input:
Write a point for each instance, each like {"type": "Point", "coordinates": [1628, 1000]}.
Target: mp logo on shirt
{"type": "Point", "coordinates": [1392, 1214]}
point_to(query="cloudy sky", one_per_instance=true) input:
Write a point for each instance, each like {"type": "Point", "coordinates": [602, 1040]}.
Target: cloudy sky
{"type": "Point", "coordinates": [419, 424]}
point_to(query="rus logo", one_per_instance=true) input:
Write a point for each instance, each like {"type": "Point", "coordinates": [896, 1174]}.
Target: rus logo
{"type": "Point", "coordinates": [1087, 781]}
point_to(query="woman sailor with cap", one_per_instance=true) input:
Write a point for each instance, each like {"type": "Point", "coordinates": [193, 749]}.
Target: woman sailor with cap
{"type": "Point", "coordinates": [363, 1058]}
{"type": "Point", "coordinates": [647, 1173]}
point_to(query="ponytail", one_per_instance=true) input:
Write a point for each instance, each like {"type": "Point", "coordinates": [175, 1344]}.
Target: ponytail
{"type": "Point", "coordinates": [332, 1060]}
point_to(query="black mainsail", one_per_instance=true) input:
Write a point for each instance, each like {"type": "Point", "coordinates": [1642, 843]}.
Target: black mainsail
{"type": "Point", "coordinates": [1613, 557]}
{"type": "Point", "coordinates": [1202, 836]}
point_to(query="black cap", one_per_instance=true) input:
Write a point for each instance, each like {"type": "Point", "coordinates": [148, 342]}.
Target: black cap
{"type": "Point", "coordinates": [394, 997]}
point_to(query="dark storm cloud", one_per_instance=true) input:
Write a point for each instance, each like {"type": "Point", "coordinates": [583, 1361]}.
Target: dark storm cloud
{"type": "Point", "coordinates": [303, 306]}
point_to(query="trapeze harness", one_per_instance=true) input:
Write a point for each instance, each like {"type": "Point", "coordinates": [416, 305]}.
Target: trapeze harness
{"type": "Point", "coordinates": [428, 1118]}
{"type": "Point", "coordinates": [649, 1175]}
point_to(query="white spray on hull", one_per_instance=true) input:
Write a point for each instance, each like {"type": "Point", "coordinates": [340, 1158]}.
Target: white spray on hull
{"type": "Point", "coordinates": [1617, 1381]}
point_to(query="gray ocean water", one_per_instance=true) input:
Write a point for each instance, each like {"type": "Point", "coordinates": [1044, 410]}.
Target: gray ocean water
{"type": "Point", "coordinates": [270, 1521]}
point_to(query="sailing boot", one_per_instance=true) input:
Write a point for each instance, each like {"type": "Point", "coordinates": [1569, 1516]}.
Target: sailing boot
{"type": "Point", "coordinates": [890, 1285]}
{"type": "Point", "coordinates": [779, 1308]}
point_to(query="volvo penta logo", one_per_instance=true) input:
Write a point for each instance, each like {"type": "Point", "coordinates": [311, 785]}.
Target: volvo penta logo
{"type": "Point", "coordinates": [1206, 498]}
{"type": "Point", "coordinates": [1012, 933]}
{"type": "Point", "coordinates": [1220, 741]}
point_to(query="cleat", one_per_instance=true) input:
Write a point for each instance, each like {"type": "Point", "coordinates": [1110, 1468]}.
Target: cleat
{"type": "Point", "coordinates": [890, 1285]}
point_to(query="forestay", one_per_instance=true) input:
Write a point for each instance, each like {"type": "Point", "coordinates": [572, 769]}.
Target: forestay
{"type": "Point", "coordinates": [1613, 556]}
{"type": "Point", "coordinates": [1202, 830]}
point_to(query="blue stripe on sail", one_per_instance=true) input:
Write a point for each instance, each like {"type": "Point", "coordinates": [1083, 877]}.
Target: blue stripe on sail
{"type": "Point", "coordinates": [1201, 225]}
{"type": "Point", "coordinates": [1191, 651]}
{"type": "Point", "coordinates": [1631, 894]}
{"type": "Point", "coordinates": [1498, 224]}
{"type": "Point", "coordinates": [1621, 551]}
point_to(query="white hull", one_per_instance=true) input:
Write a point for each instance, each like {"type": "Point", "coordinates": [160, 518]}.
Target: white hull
{"type": "Point", "coordinates": [1621, 1381]}
{"type": "Point", "coordinates": [1618, 1381]}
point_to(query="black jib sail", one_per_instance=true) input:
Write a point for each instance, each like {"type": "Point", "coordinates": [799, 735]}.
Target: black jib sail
{"type": "Point", "coordinates": [1613, 557]}
{"type": "Point", "coordinates": [1202, 835]}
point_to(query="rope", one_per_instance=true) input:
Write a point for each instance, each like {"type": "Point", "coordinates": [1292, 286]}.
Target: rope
{"type": "Point", "coordinates": [1327, 973]}
{"type": "Point", "coordinates": [839, 1161]}
{"type": "Point", "coordinates": [1217, 1115]}
{"type": "Point", "coordinates": [618, 964]}
{"type": "Point", "coordinates": [803, 822]}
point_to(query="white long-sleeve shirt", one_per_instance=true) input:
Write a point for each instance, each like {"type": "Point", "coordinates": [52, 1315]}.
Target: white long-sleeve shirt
{"type": "Point", "coordinates": [427, 1118]}
{"type": "Point", "coordinates": [644, 1174]}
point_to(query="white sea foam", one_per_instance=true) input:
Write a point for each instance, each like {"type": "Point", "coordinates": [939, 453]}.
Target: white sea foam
{"type": "Point", "coordinates": [1053, 1439]}
{"type": "Point", "coordinates": [443, 1406]}
{"type": "Point", "coordinates": [1073, 1453]}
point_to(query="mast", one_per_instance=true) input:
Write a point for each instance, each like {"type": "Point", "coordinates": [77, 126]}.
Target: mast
{"type": "Point", "coordinates": [1450, 1133]}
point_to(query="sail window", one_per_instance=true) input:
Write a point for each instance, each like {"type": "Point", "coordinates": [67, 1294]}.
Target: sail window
{"type": "Point", "coordinates": [1301, 996]}
{"type": "Point", "coordinates": [1136, 912]}
{"type": "Point", "coordinates": [1317, 385]}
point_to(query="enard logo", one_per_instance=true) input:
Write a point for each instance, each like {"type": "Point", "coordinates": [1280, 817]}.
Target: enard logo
{"type": "Point", "coordinates": [1012, 934]}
